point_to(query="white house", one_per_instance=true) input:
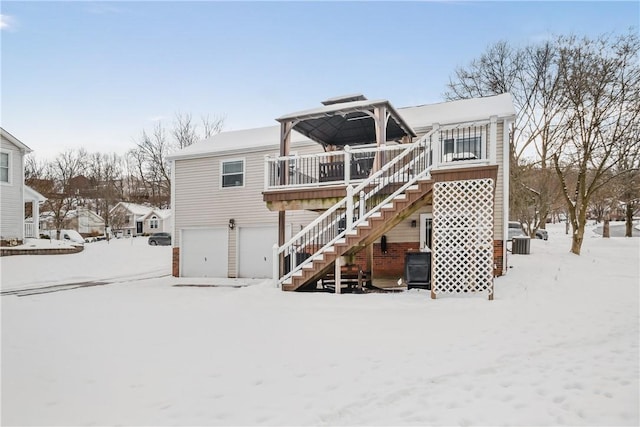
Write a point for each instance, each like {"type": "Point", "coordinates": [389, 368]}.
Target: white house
{"type": "Point", "coordinates": [83, 220]}
{"type": "Point", "coordinates": [354, 180]}
{"type": "Point", "coordinates": [133, 219]}
{"type": "Point", "coordinates": [14, 193]}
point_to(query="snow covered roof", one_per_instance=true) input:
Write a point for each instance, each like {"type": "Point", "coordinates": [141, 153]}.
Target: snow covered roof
{"type": "Point", "coordinates": [138, 210]}
{"type": "Point", "coordinates": [417, 117]}
{"type": "Point", "coordinates": [239, 140]}
{"type": "Point", "coordinates": [15, 141]}
{"type": "Point", "coordinates": [464, 110]}
{"type": "Point", "coordinates": [161, 213]}
{"type": "Point", "coordinates": [32, 195]}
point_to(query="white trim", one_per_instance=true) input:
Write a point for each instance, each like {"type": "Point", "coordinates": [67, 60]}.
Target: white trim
{"type": "Point", "coordinates": [244, 172]}
{"type": "Point", "coordinates": [423, 229]}
{"type": "Point", "coordinates": [505, 191]}
{"type": "Point", "coordinates": [9, 154]}
{"type": "Point", "coordinates": [493, 140]}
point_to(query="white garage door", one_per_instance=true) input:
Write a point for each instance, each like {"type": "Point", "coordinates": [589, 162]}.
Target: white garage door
{"type": "Point", "coordinates": [255, 249]}
{"type": "Point", "coordinates": [204, 252]}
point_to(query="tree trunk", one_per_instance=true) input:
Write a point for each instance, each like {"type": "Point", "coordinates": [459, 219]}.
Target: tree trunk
{"type": "Point", "coordinates": [628, 232]}
{"type": "Point", "coordinates": [576, 240]}
{"type": "Point", "coordinates": [605, 228]}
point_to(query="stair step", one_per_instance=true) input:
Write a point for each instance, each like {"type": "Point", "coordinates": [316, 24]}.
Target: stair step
{"type": "Point", "coordinates": [387, 206]}
{"type": "Point", "coordinates": [401, 196]}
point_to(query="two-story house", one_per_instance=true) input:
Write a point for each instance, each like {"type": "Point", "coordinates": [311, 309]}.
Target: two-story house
{"type": "Point", "coordinates": [354, 181]}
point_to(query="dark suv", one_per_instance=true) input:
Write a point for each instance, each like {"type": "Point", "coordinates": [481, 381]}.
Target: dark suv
{"type": "Point", "coordinates": [163, 239]}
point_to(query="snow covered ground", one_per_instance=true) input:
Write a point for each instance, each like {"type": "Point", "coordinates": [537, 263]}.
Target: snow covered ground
{"type": "Point", "coordinates": [557, 346]}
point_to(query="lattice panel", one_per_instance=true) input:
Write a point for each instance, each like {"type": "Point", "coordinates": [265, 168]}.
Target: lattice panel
{"type": "Point", "coordinates": [463, 236]}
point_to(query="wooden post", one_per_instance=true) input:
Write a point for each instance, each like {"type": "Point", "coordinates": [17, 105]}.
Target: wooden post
{"type": "Point", "coordinates": [380, 117]}
{"type": "Point", "coordinates": [337, 274]}
{"type": "Point", "coordinates": [369, 260]}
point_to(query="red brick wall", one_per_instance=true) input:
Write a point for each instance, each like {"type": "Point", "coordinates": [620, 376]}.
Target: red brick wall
{"type": "Point", "coordinates": [498, 261]}
{"type": "Point", "coordinates": [176, 262]}
{"type": "Point", "coordinates": [391, 263]}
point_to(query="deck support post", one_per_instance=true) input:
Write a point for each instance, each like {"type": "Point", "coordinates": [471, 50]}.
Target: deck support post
{"type": "Point", "coordinates": [368, 253]}
{"type": "Point", "coordinates": [281, 236]}
{"type": "Point", "coordinates": [337, 274]}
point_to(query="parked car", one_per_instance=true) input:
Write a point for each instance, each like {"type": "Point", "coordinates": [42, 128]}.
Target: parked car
{"type": "Point", "coordinates": [515, 229]}
{"type": "Point", "coordinates": [163, 239]}
{"type": "Point", "coordinates": [67, 235]}
{"type": "Point", "coordinates": [542, 234]}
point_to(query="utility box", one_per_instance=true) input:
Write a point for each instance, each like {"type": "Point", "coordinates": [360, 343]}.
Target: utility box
{"type": "Point", "coordinates": [417, 270]}
{"type": "Point", "coordinates": [521, 245]}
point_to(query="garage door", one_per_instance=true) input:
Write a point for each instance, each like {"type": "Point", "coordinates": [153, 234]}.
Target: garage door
{"type": "Point", "coordinates": [204, 253]}
{"type": "Point", "coordinates": [255, 247]}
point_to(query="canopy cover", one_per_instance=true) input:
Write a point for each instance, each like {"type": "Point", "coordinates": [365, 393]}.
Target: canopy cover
{"type": "Point", "coordinates": [348, 120]}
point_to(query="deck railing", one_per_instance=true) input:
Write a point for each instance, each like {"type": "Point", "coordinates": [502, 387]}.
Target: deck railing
{"type": "Point", "coordinates": [362, 201]}
{"type": "Point", "coordinates": [29, 229]}
{"type": "Point", "coordinates": [327, 168]}
{"type": "Point", "coordinates": [452, 145]}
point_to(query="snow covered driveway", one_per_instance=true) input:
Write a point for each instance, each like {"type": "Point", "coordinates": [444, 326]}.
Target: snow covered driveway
{"type": "Point", "coordinates": [116, 260]}
{"type": "Point", "coordinates": [558, 346]}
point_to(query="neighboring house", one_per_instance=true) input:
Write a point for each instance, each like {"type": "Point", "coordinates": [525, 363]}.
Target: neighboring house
{"type": "Point", "coordinates": [428, 178]}
{"type": "Point", "coordinates": [133, 219]}
{"type": "Point", "coordinates": [14, 193]}
{"type": "Point", "coordinates": [83, 220]}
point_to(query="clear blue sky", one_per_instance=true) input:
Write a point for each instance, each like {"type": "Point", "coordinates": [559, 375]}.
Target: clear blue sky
{"type": "Point", "coordinates": [94, 74]}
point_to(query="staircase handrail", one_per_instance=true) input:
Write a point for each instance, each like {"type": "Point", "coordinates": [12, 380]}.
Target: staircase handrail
{"type": "Point", "coordinates": [424, 140]}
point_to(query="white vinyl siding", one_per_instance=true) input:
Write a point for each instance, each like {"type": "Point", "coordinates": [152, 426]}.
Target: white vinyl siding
{"type": "Point", "coordinates": [200, 200]}
{"type": "Point", "coordinates": [12, 204]}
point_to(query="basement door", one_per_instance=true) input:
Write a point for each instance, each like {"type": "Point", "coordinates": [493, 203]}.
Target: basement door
{"type": "Point", "coordinates": [204, 252]}
{"type": "Point", "coordinates": [255, 251]}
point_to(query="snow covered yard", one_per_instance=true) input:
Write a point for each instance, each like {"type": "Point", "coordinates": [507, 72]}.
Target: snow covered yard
{"type": "Point", "coordinates": [558, 346]}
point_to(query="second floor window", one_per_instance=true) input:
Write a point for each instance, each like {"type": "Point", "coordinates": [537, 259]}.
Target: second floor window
{"type": "Point", "coordinates": [233, 173]}
{"type": "Point", "coordinates": [4, 167]}
{"type": "Point", "coordinates": [153, 222]}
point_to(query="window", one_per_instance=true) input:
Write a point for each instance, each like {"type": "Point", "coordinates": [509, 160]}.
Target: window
{"type": "Point", "coordinates": [233, 173]}
{"type": "Point", "coordinates": [462, 143]}
{"type": "Point", "coordinates": [461, 149]}
{"type": "Point", "coordinates": [153, 222]}
{"type": "Point", "coordinates": [4, 167]}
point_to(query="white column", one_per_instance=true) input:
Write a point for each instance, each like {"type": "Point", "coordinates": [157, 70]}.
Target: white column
{"type": "Point", "coordinates": [435, 145]}
{"type": "Point", "coordinates": [337, 274]}
{"type": "Point", "coordinates": [493, 139]}
{"type": "Point", "coordinates": [35, 214]}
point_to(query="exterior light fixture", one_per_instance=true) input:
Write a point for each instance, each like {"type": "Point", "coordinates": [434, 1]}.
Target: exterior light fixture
{"type": "Point", "coordinates": [232, 224]}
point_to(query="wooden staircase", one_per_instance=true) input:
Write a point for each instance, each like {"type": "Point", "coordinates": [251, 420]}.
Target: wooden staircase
{"type": "Point", "coordinates": [365, 233]}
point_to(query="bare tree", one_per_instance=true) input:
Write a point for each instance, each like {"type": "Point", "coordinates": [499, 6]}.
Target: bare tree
{"type": "Point", "coordinates": [106, 172]}
{"type": "Point", "coordinates": [212, 126]}
{"type": "Point", "coordinates": [185, 131]}
{"type": "Point", "coordinates": [530, 75]}
{"type": "Point", "coordinates": [56, 185]}
{"type": "Point", "coordinates": [601, 83]}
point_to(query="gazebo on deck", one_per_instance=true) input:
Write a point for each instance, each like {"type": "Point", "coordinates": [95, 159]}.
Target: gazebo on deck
{"type": "Point", "coordinates": [344, 122]}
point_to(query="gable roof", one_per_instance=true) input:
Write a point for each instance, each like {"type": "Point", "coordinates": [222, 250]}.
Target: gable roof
{"type": "Point", "coordinates": [134, 208]}
{"type": "Point", "coordinates": [15, 141]}
{"type": "Point", "coordinates": [160, 213]}
{"type": "Point", "coordinates": [418, 117]}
